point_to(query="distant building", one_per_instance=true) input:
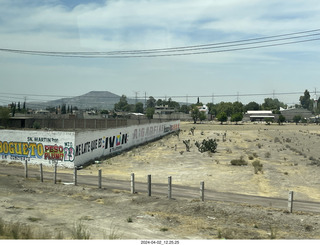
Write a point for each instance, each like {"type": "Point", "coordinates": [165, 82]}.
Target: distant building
{"type": "Point", "coordinates": [203, 108]}
{"type": "Point", "coordinates": [289, 114]}
{"type": "Point", "coordinates": [163, 110]}
{"type": "Point", "coordinates": [258, 115]}
{"type": "Point", "coordinates": [43, 112]}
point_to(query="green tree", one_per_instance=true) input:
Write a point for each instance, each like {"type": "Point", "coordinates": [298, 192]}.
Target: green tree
{"type": "Point", "coordinates": [104, 112]}
{"type": "Point", "coordinates": [13, 109]}
{"type": "Point", "coordinates": [272, 104]}
{"type": "Point", "coordinates": [160, 102]}
{"type": "Point", "coordinates": [281, 119]}
{"type": "Point", "coordinates": [268, 120]}
{"type": "Point", "coordinates": [173, 104]}
{"type": "Point", "coordinates": [122, 105]}
{"type": "Point", "coordinates": [151, 102]}
{"type": "Point", "coordinates": [202, 116]}
{"type": "Point", "coordinates": [236, 117]}
{"type": "Point", "coordinates": [222, 117]}
{"type": "Point", "coordinates": [305, 101]}
{"type": "Point", "coordinates": [225, 107]}
{"type": "Point", "coordinates": [63, 109]}
{"type": "Point", "coordinates": [149, 112]}
{"type": "Point", "coordinates": [4, 116]}
{"type": "Point", "coordinates": [185, 109]}
{"type": "Point", "coordinates": [212, 109]}
{"type": "Point", "coordinates": [252, 106]}
{"type": "Point", "coordinates": [139, 107]}
{"type": "Point", "coordinates": [237, 107]}
{"type": "Point", "coordinates": [297, 119]}
{"type": "Point", "coordinates": [195, 113]}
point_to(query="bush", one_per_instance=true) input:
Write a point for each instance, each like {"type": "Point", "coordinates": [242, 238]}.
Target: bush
{"type": "Point", "coordinates": [187, 144]}
{"type": "Point", "coordinates": [239, 162]}
{"type": "Point", "coordinates": [207, 145]}
{"type": "Point", "coordinates": [80, 232]}
{"type": "Point", "coordinates": [36, 125]}
{"type": "Point", "coordinates": [257, 166]}
{"type": "Point", "coordinates": [267, 155]}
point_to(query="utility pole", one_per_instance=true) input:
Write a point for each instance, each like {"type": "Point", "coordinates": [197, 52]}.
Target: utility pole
{"type": "Point", "coordinates": [136, 92]}
{"type": "Point", "coordinates": [145, 99]}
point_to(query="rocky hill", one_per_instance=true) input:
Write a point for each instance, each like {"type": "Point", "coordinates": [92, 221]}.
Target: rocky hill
{"type": "Point", "coordinates": [93, 99]}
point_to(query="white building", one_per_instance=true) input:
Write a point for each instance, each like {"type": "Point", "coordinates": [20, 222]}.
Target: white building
{"type": "Point", "coordinates": [257, 115]}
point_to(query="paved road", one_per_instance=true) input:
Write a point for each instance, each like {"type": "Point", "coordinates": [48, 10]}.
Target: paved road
{"type": "Point", "coordinates": [162, 189]}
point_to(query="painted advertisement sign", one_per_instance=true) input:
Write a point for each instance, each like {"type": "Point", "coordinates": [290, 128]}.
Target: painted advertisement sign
{"type": "Point", "coordinates": [71, 149]}
{"type": "Point", "coordinates": [95, 144]}
{"type": "Point", "coordinates": [37, 147]}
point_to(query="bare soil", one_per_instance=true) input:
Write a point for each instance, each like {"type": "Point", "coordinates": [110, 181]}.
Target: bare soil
{"type": "Point", "coordinates": [289, 153]}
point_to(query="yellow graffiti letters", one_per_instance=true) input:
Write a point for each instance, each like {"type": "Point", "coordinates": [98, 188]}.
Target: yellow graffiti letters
{"type": "Point", "coordinates": [25, 149]}
{"type": "Point", "coordinates": [21, 149]}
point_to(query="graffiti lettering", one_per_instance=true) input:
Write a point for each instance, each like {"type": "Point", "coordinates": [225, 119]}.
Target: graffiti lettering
{"type": "Point", "coordinates": [114, 142]}
{"type": "Point", "coordinates": [42, 139]}
{"type": "Point", "coordinates": [53, 152]}
{"type": "Point", "coordinates": [89, 146]}
{"type": "Point", "coordinates": [21, 149]}
{"type": "Point", "coordinates": [147, 132]}
{"type": "Point", "coordinates": [69, 154]}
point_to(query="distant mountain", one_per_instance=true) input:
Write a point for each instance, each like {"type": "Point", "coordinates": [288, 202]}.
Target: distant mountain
{"type": "Point", "coordinates": [93, 99]}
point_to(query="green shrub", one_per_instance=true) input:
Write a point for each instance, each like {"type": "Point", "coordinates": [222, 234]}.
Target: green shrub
{"type": "Point", "coordinates": [267, 155]}
{"type": "Point", "coordinates": [257, 166]}
{"type": "Point", "coordinates": [207, 145]}
{"type": "Point", "coordinates": [187, 144]}
{"type": "Point", "coordinates": [36, 125]}
{"type": "Point", "coordinates": [239, 162]}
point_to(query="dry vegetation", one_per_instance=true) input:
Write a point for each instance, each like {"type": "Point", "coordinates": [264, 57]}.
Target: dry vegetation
{"type": "Point", "coordinates": [251, 159]}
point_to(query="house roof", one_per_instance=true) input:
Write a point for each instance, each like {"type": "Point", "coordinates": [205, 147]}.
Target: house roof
{"type": "Point", "coordinates": [259, 112]}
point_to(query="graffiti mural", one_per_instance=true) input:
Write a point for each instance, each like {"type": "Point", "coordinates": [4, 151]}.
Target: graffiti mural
{"type": "Point", "coordinates": [27, 151]}
{"type": "Point", "coordinates": [71, 149]}
{"type": "Point", "coordinates": [115, 143]}
{"type": "Point", "coordinates": [29, 146]}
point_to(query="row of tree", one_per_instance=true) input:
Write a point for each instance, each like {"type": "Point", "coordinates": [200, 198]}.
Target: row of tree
{"type": "Point", "coordinates": [220, 110]}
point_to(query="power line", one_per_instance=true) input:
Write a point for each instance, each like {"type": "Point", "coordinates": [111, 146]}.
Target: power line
{"type": "Point", "coordinates": [143, 97]}
{"type": "Point", "coordinates": [253, 43]}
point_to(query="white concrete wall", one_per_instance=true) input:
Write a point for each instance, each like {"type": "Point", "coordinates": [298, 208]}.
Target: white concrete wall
{"type": "Point", "coordinates": [90, 145]}
{"type": "Point", "coordinates": [37, 146]}
{"type": "Point", "coordinates": [71, 149]}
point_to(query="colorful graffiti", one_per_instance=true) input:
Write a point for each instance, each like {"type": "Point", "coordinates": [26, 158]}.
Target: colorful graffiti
{"type": "Point", "coordinates": [25, 150]}
{"type": "Point", "coordinates": [114, 143]}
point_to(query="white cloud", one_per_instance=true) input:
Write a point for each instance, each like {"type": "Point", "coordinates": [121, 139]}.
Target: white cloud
{"type": "Point", "coordinates": [138, 24]}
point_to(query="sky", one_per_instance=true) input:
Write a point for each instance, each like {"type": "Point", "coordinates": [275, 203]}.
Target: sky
{"type": "Point", "coordinates": [120, 25]}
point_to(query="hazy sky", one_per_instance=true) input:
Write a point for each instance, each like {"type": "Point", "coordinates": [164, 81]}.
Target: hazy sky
{"type": "Point", "coordinates": [101, 26]}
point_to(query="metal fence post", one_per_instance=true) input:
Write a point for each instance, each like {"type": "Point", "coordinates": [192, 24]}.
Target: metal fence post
{"type": "Point", "coordinates": [55, 174]}
{"type": "Point", "coordinates": [149, 185]}
{"type": "Point", "coordinates": [41, 173]}
{"type": "Point", "coordinates": [169, 187]}
{"type": "Point", "coordinates": [290, 201]}
{"type": "Point", "coordinates": [100, 179]}
{"type": "Point", "coordinates": [202, 190]}
{"type": "Point", "coordinates": [132, 184]}
{"type": "Point", "coordinates": [26, 169]}
{"type": "Point", "coordinates": [75, 177]}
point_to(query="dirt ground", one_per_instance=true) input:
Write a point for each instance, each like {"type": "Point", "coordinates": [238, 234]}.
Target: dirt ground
{"type": "Point", "coordinates": [291, 161]}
